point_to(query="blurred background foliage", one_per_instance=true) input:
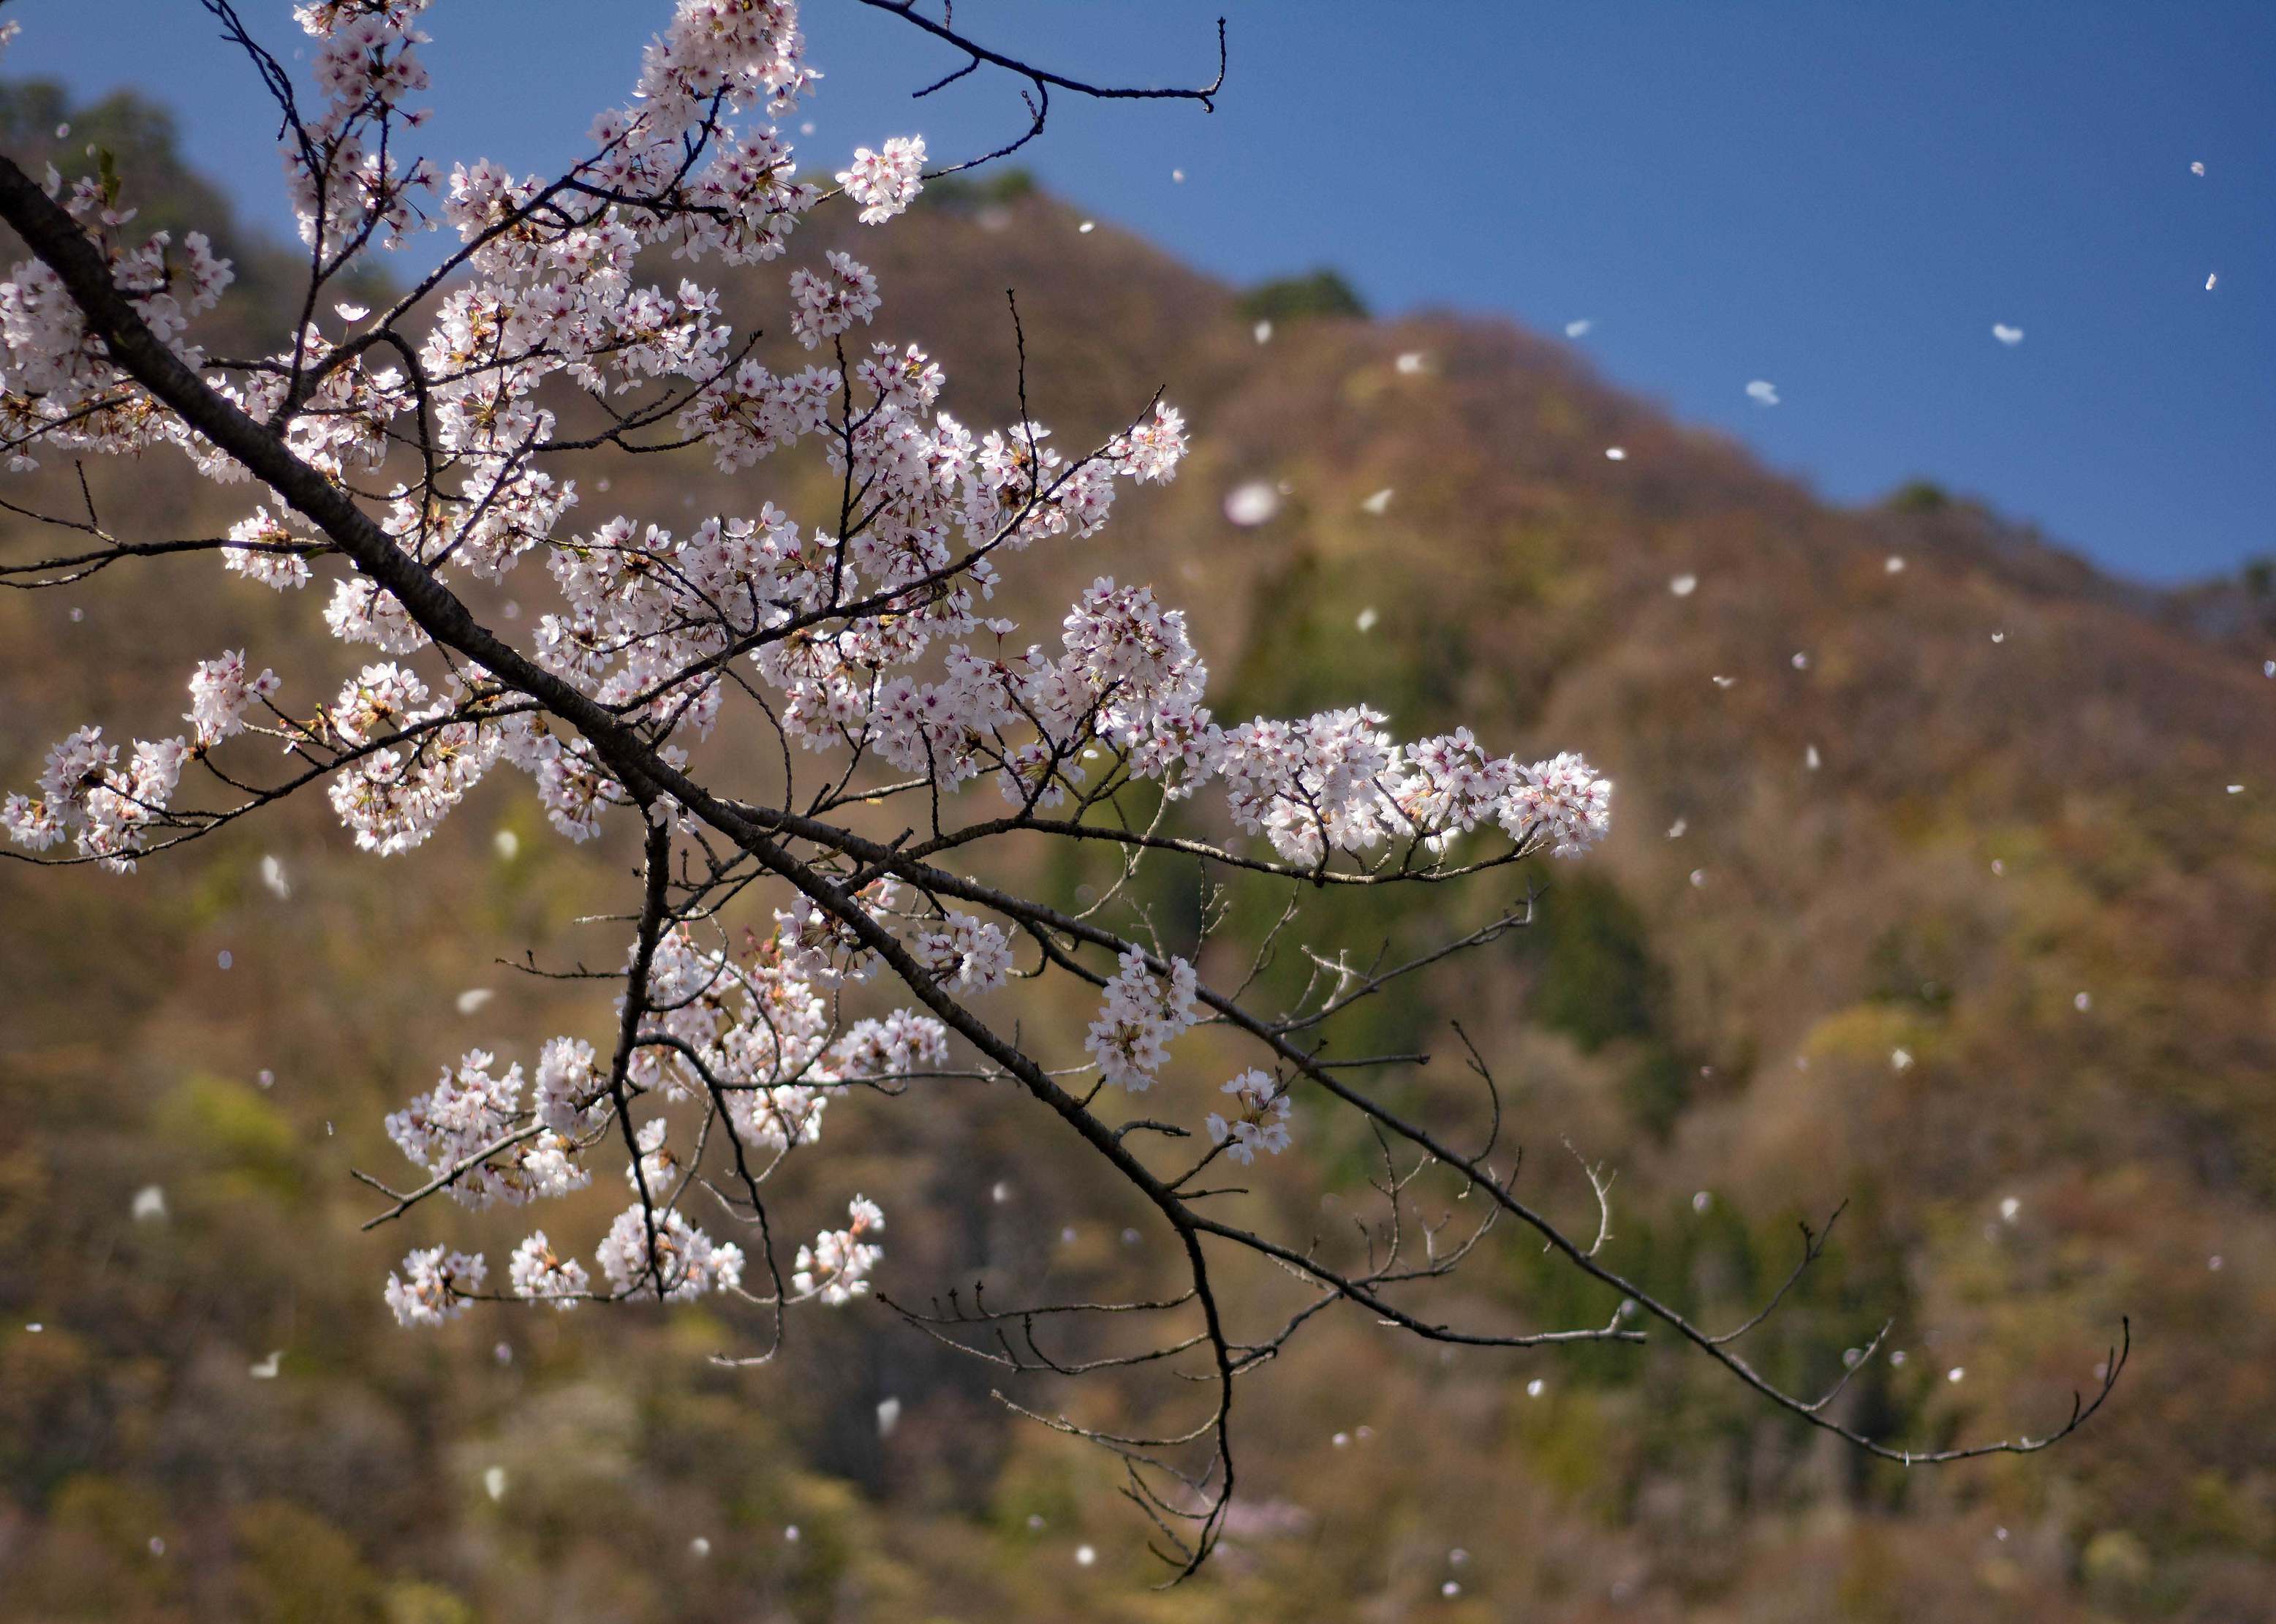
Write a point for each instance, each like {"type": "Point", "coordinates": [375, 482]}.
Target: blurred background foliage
{"type": "Point", "coordinates": [1965, 932]}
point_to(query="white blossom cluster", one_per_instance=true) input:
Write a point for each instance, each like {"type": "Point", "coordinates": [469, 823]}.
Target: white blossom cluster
{"type": "Point", "coordinates": [835, 1268]}
{"type": "Point", "coordinates": [59, 388]}
{"type": "Point", "coordinates": [874, 646]}
{"type": "Point", "coordinates": [1337, 782]}
{"type": "Point", "coordinates": [884, 183]}
{"type": "Point", "coordinates": [663, 1247]}
{"type": "Point", "coordinates": [436, 1286]}
{"type": "Point", "coordinates": [109, 811]}
{"type": "Point", "coordinates": [1139, 1015]}
{"type": "Point", "coordinates": [1260, 1117]}
{"type": "Point", "coordinates": [754, 1028]}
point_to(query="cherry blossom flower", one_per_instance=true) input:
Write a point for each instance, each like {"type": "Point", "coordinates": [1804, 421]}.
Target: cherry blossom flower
{"type": "Point", "coordinates": [884, 183]}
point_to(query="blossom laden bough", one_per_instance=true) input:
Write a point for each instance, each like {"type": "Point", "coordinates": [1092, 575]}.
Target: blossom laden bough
{"type": "Point", "coordinates": [785, 967]}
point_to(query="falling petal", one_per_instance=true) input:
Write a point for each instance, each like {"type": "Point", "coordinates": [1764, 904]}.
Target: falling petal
{"type": "Point", "coordinates": [1264, 332]}
{"type": "Point", "coordinates": [494, 1481]}
{"type": "Point", "coordinates": [889, 1417]}
{"type": "Point", "coordinates": [1616, 453]}
{"type": "Point", "coordinates": [1577, 330]}
{"type": "Point", "coordinates": [1895, 565]}
{"type": "Point", "coordinates": [473, 999]}
{"type": "Point", "coordinates": [266, 1370]}
{"type": "Point", "coordinates": [1412, 361]}
{"type": "Point", "coordinates": [1252, 505]}
{"type": "Point", "coordinates": [1379, 503]}
{"type": "Point", "coordinates": [149, 1204]}
{"type": "Point", "coordinates": [1683, 586]}
{"type": "Point", "coordinates": [272, 875]}
{"type": "Point", "coordinates": [1763, 392]}
{"type": "Point", "coordinates": [1367, 619]}
{"type": "Point", "coordinates": [2009, 336]}
{"type": "Point", "coordinates": [2210, 280]}
{"type": "Point", "coordinates": [2197, 168]}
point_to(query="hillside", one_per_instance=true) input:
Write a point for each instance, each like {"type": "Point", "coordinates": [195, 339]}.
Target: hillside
{"type": "Point", "coordinates": [1928, 891]}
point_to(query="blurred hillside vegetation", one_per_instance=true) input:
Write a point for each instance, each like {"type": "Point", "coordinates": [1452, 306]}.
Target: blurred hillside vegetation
{"type": "Point", "coordinates": [1940, 905]}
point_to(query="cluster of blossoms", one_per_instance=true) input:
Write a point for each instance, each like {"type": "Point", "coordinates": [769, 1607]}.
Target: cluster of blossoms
{"type": "Point", "coordinates": [107, 811]}
{"type": "Point", "coordinates": [873, 646]}
{"type": "Point", "coordinates": [59, 388]}
{"type": "Point", "coordinates": [835, 1268]}
{"type": "Point", "coordinates": [663, 1250]}
{"type": "Point", "coordinates": [347, 185]}
{"type": "Point", "coordinates": [884, 183]}
{"type": "Point", "coordinates": [435, 1287]}
{"type": "Point", "coordinates": [467, 1129]}
{"type": "Point", "coordinates": [220, 690]}
{"type": "Point", "coordinates": [1138, 1017]}
{"type": "Point", "coordinates": [540, 1275]}
{"type": "Point", "coordinates": [969, 954]}
{"type": "Point", "coordinates": [752, 1031]}
{"type": "Point", "coordinates": [1260, 1118]}
{"type": "Point", "coordinates": [1337, 782]}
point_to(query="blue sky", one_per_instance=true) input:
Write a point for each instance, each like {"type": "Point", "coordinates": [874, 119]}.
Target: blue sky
{"type": "Point", "coordinates": [1840, 199]}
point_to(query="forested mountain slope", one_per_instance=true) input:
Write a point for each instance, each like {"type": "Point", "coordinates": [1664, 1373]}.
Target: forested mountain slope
{"type": "Point", "coordinates": [1928, 891]}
